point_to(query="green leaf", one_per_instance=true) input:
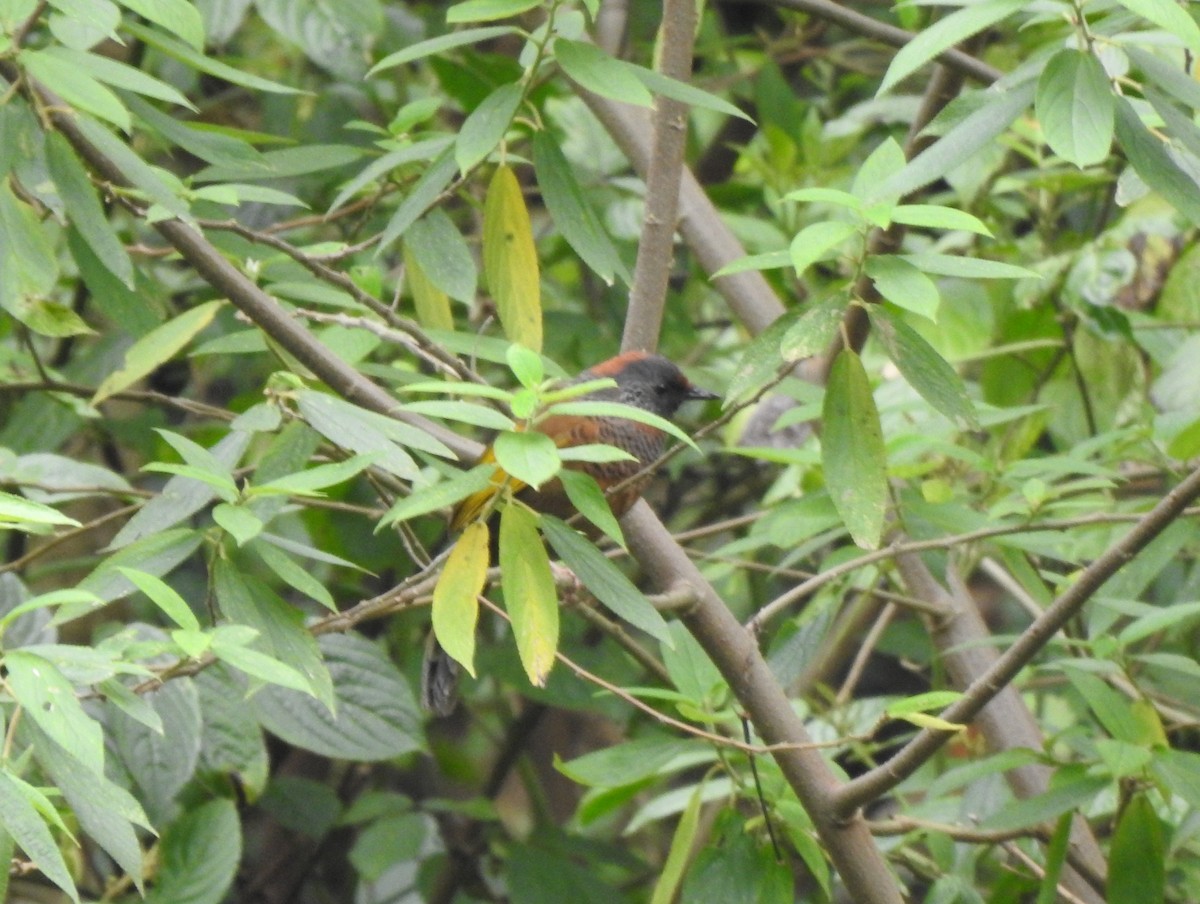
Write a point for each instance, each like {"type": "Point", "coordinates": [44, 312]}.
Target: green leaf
{"type": "Point", "coordinates": [593, 408]}
{"type": "Point", "coordinates": [530, 457]}
{"type": "Point", "coordinates": [367, 433]}
{"type": "Point", "coordinates": [295, 576]}
{"type": "Point", "coordinates": [438, 247]}
{"type": "Point", "coordinates": [589, 500]}
{"type": "Point", "coordinates": [179, 17]}
{"type": "Point", "coordinates": [1149, 158]}
{"type": "Point", "coordinates": [1137, 859]}
{"type": "Point", "coordinates": [904, 285]}
{"type": "Point", "coordinates": [1071, 791]}
{"type": "Point", "coordinates": [852, 451]}
{"type": "Point", "coordinates": [335, 36]}
{"type": "Point", "coordinates": [28, 829]}
{"type": "Point", "coordinates": [156, 553]}
{"type": "Point", "coordinates": [157, 347]}
{"type": "Point", "coordinates": [924, 369]}
{"type": "Point", "coordinates": [487, 10]}
{"type": "Point", "coordinates": [75, 86]}
{"type": "Point", "coordinates": [814, 330]}
{"type": "Point", "coordinates": [692, 672]}
{"type": "Point", "coordinates": [935, 216]}
{"type": "Point", "coordinates": [230, 646]}
{"type": "Point", "coordinates": [164, 596]}
{"type": "Point", "coordinates": [137, 313]}
{"type": "Point", "coordinates": [374, 716]}
{"type": "Point", "coordinates": [1074, 104]}
{"type": "Point", "coordinates": [106, 811]}
{"type": "Point", "coordinates": [119, 75]}
{"type": "Point", "coordinates": [769, 260]}
{"type": "Point", "coordinates": [1174, 80]}
{"type": "Point", "coordinates": [456, 596]}
{"type": "Point", "coordinates": [599, 73]}
{"type": "Point", "coordinates": [671, 875]}
{"type": "Point", "coordinates": [48, 698]}
{"type": "Point", "coordinates": [440, 44]}
{"type": "Point", "coordinates": [84, 209]}
{"type": "Point", "coordinates": [140, 174]}
{"type": "Point", "coordinates": [311, 481]}
{"type": "Point", "coordinates": [432, 305]}
{"type": "Point", "coordinates": [19, 513]}
{"type": "Point", "coordinates": [245, 600]}
{"type": "Point", "coordinates": [440, 495]}
{"type": "Point", "coordinates": [814, 241]}
{"type": "Point", "coordinates": [944, 34]}
{"type": "Point", "coordinates": [683, 92]}
{"type": "Point", "coordinates": [1112, 708]}
{"type": "Point", "coordinates": [604, 579]}
{"type": "Point", "coordinates": [462, 412]}
{"type": "Point", "coordinates": [237, 521]}
{"type": "Point", "coordinates": [161, 763]}
{"type": "Point", "coordinates": [571, 212]}
{"type": "Point", "coordinates": [961, 143]}
{"type": "Point", "coordinates": [510, 260]}
{"type": "Point", "coordinates": [529, 593]}
{"type": "Point", "coordinates": [424, 192]}
{"type": "Point", "coordinates": [484, 128]}
{"type": "Point", "coordinates": [526, 366]}
{"type": "Point", "coordinates": [195, 59]}
{"type": "Point", "coordinates": [199, 855]}
{"type": "Point", "coordinates": [966, 267]}
{"type": "Point", "coordinates": [1170, 17]}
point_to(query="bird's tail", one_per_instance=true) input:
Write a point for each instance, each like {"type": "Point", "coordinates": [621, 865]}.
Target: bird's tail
{"type": "Point", "coordinates": [439, 679]}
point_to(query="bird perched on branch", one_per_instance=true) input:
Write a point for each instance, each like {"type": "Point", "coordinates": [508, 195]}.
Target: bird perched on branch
{"type": "Point", "coordinates": [646, 381]}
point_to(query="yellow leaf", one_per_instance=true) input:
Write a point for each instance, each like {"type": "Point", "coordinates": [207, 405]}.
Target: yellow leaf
{"type": "Point", "coordinates": [529, 593]}
{"type": "Point", "coordinates": [156, 347]}
{"type": "Point", "coordinates": [925, 720]}
{"type": "Point", "coordinates": [456, 596]}
{"type": "Point", "coordinates": [431, 303]}
{"type": "Point", "coordinates": [510, 260]}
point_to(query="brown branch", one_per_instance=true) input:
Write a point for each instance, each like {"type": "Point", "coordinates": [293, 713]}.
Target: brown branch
{"type": "Point", "coordinates": [985, 686]}
{"type": "Point", "coordinates": [735, 653]}
{"type": "Point", "coordinates": [652, 272]}
{"type": "Point", "coordinates": [843, 15]}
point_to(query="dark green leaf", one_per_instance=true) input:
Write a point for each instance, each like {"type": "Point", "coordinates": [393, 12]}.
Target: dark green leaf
{"type": "Point", "coordinates": [852, 451]}
{"type": "Point", "coordinates": [440, 44]}
{"type": "Point", "coordinates": [440, 249]}
{"type": "Point", "coordinates": [48, 698]}
{"type": "Point", "coordinates": [374, 715]}
{"type": "Point", "coordinates": [83, 207]}
{"type": "Point", "coordinates": [924, 369]}
{"type": "Point", "coordinates": [963, 141]}
{"type": "Point", "coordinates": [420, 197]}
{"type": "Point", "coordinates": [199, 855]}
{"type": "Point", "coordinates": [27, 828]}
{"type": "Point", "coordinates": [574, 216]}
{"type": "Point", "coordinates": [1137, 862]}
{"type": "Point", "coordinates": [484, 129]}
{"type": "Point", "coordinates": [161, 763]}
{"type": "Point", "coordinates": [604, 579]}
{"type": "Point", "coordinates": [1149, 158]}
{"type": "Point", "coordinates": [596, 71]}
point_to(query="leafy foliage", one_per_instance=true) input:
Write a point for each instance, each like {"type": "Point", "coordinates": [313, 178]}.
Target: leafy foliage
{"type": "Point", "coordinates": [268, 272]}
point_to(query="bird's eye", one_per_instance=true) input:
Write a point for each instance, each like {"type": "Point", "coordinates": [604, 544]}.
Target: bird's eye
{"type": "Point", "coordinates": [663, 388]}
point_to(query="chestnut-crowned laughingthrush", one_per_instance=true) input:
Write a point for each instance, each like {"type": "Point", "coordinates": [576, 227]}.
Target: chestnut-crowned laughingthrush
{"type": "Point", "coordinates": [643, 380]}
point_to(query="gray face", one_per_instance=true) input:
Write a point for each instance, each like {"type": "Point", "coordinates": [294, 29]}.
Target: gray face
{"type": "Point", "coordinates": [655, 384]}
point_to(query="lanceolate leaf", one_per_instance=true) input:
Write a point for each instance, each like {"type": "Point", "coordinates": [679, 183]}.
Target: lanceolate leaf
{"type": "Point", "coordinates": [604, 579]}
{"type": "Point", "coordinates": [510, 260]}
{"type": "Point", "coordinates": [26, 826]}
{"type": "Point", "coordinates": [596, 71]}
{"type": "Point", "coordinates": [420, 197]}
{"type": "Point", "coordinates": [431, 303]}
{"type": "Point", "coordinates": [529, 592]}
{"type": "Point", "coordinates": [1150, 159]}
{"type": "Point", "coordinates": [904, 285]}
{"type": "Point", "coordinates": [485, 127]}
{"type": "Point", "coordinates": [83, 207]}
{"type": "Point", "coordinates": [157, 347]}
{"type": "Point", "coordinates": [944, 34]}
{"type": "Point", "coordinates": [456, 596]}
{"type": "Point", "coordinates": [439, 44]}
{"type": "Point", "coordinates": [574, 216]}
{"type": "Point", "coordinates": [926, 371]}
{"type": "Point", "coordinates": [957, 146]}
{"type": "Point", "coordinates": [852, 451]}
{"type": "Point", "coordinates": [1137, 869]}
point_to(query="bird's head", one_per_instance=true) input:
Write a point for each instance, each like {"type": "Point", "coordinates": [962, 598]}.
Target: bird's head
{"type": "Point", "coordinates": [650, 382]}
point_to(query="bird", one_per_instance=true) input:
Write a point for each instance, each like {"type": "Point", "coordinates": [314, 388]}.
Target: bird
{"type": "Point", "coordinates": [642, 380]}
